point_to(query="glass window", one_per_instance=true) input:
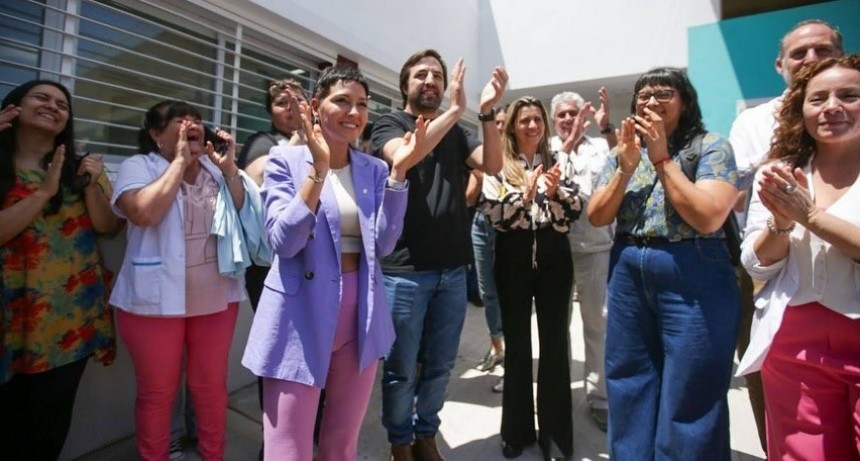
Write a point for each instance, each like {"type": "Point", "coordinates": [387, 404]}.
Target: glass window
{"type": "Point", "coordinates": [20, 39]}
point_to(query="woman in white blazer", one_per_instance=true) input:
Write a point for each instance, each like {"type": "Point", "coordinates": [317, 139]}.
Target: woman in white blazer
{"type": "Point", "coordinates": [803, 240]}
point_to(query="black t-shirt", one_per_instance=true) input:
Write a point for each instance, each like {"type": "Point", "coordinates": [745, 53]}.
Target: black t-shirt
{"type": "Point", "coordinates": [258, 145]}
{"type": "Point", "coordinates": [436, 228]}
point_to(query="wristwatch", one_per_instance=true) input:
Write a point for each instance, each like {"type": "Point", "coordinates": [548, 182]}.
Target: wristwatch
{"type": "Point", "coordinates": [609, 129]}
{"type": "Point", "coordinates": [488, 116]}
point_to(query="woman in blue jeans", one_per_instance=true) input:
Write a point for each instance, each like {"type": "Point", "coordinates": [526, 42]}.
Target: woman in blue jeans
{"type": "Point", "coordinates": [673, 304]}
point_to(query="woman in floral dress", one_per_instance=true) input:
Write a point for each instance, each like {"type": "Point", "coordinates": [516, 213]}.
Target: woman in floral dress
{"type": "Point", "coordinates": [54, 314]}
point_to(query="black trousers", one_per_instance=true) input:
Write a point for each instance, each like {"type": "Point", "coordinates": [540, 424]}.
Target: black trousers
{"type": "Point", "coordinates": [518, 282]}
{"type": "Point", "coordinates": [36, 412]}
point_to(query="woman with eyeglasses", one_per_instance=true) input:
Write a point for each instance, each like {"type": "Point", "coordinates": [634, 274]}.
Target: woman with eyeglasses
{"type": "Point", "coordinates": [673, 303]}
{"type": "Point", "coordinates": [54, 314]}
{"type": "Point", "coordinates": [803, 240]}
{"type": "Point", "coordinates": [531, 206]}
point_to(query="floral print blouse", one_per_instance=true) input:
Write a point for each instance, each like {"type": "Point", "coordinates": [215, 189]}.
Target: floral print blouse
{"type": "Point", "coordinates": [506, 210]}
{"type": "Point", "coordinates": [645, 211]}
{"type": "Point", "coordinates": [53, 291]}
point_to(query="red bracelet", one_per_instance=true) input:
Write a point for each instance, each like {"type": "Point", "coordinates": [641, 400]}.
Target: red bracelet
{"type": "Point", "coordinates": [661, 161]}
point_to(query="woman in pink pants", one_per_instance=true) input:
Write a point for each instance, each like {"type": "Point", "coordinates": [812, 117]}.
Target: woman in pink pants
{"type": "Point", "coordinates": [322, 320]}
{"type": "Point", "coordinates": [181, 280]}
{"type": "Point", "coordinates": [803, 240]}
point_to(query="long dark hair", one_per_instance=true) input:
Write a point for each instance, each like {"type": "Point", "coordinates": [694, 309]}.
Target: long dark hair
{"type": "Point", "coordinates": [9, 146]}
{"type": "Point", "coordinates": [690, 124]}
{"type": "Point", "coordinates": [157, 117]}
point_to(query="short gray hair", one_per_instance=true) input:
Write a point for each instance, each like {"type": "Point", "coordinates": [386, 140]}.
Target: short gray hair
{"type": "Point", "coordinates": [564, 97]}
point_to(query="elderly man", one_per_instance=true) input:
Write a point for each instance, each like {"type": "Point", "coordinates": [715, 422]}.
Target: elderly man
{"type": "Point", "coordinates": [583, 157]}
{"type": "Point", "coordinates": [751, 134]}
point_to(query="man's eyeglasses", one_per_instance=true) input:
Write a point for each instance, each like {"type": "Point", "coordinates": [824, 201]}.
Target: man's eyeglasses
{"type": "Point", "coordinates": [660, 95]}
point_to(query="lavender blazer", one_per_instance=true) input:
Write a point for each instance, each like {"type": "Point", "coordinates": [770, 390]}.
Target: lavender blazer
{"type": "Point", "coordinates": [293, 331]}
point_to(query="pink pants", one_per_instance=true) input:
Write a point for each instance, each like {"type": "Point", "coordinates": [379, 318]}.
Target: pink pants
{"type": "Point", "coordinates": [156, 345]}
{"type": "Point", "coordinates": [289, 408]}
{"type": "Point", "coordinates": [811, 380]}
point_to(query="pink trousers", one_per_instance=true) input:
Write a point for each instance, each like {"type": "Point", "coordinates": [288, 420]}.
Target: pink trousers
{"type": "Point", "coordinates": [289, 408]}
{"type": "Point", "coordinates": [811, 380]}
{"type": "Point", "coordinates": [156, 345]}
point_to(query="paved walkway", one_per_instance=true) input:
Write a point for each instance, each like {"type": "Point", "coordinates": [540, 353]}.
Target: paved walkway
{"type": "Point", "coordinates": [470, 419]}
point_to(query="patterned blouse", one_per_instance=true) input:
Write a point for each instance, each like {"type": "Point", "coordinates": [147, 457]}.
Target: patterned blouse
{"type": "Point", "coordinates": [53, 294]}
{"type": "Point", "coordinates": [645, 212]}
{"type": "Point", "coordinates": [506, 210]}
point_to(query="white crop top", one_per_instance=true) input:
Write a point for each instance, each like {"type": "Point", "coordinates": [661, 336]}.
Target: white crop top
{"type": "Point", "coordinates": [344, 191]}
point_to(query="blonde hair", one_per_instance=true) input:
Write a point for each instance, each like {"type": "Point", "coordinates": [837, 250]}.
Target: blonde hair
{"type": "Point", "coordinates": [513, 170]}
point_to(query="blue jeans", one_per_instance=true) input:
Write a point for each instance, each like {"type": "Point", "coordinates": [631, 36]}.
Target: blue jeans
{"type": "Point", "coordinates": [484, 247]}
{"type": "Point", "coordinates": [429, 309]}
{"type": "Point", "coordinates": [673, 313]}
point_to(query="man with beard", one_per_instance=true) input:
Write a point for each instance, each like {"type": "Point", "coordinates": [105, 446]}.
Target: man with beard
{"type": "Point", "coordinates": [425, 276]}
{"type": "Point", "coordinates": [751, 134]}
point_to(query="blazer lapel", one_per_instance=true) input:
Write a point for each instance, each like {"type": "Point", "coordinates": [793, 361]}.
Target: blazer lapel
{"type": "Point", "coordinates": [362, 180]}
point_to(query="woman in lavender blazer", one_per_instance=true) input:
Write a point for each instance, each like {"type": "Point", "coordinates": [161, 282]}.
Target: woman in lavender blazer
{"type": "Point", "coordinates": [323, 320]}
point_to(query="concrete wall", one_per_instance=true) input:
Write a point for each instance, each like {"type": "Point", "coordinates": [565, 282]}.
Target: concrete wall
{"type": "Point", "coordinates": [733, 61]}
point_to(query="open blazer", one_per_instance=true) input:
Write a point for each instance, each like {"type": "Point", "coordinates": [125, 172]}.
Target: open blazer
{"type": "Point", "coordinates": [294, 327]}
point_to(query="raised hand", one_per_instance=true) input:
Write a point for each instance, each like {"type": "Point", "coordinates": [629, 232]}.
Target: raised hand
{"type": "Point", "coordinates": [409, 153]}
{"type": "Point", "coordinates": [226, 161]}
{"type": "Point", "coordinates": [601, 116]}
{"type": "Point", "coordinates": [7, 115]}
{"type": "Point", "coordinates": [532, 183]}
{"type": "Point", "coordinates": [551, 180]}
{"type": "Point", "coordinates": [652, 128]}
{"type": "Point", "coordinates": [183, 151]}
{"type": "Point", "coordinates": [315, 141]}
{"type": "Point", "coordinates": [51, 184]}
{"type": "Point", "coordinates": [578, 129]}
{"type": "Point", "coordinates": [629, 146]}
{"type": "Point", "coordinates": [494, 89]}
{"type": "Point", "coordinates": [455, 87]}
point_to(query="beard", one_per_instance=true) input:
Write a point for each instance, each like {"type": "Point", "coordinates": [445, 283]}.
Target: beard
{"type": "Point", "coordinates": [425, 101]}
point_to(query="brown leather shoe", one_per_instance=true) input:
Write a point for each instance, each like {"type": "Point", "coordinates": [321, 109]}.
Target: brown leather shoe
{"type": "Point", "coordinates": [402, 452]}
{"type": "Point", "coordinates": [425, 449]}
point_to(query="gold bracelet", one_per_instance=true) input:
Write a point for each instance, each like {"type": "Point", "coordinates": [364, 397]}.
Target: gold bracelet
{"type": "Point", "coordinates": [316, 179]}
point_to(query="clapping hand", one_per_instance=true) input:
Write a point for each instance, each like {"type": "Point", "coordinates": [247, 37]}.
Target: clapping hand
{"type": "Point", "coordinates": [410, 152]}
{"type": "Point", "coordinates": [455, 88]}
{"type": "Point", "coordinates": [532, 183]}
{"type": "Point", "coordinates": [786, 194]}
{"type": "Point", "coordinates": [51, 183]}
{"type": "Point", "coordinates": [629, 146]}
{"type": "Point", "coordinates": [7, 115]}
{"type": "Point", "coordinates": [551, 180]}
{"type": "Point", "coordinates": [316, 142]}
{"type": "Point", "coordinates": [601, 116]}
{"type": "Point", "coordinates": [577, 130]}
{"type": "Point", "coordinates": [651, 126]}
{"type": "Point", "coordinates": [494, 89]}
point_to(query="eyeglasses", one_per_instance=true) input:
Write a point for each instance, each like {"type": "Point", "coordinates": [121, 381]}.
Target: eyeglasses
{"type": "Point", "coordinates": [665, 95]}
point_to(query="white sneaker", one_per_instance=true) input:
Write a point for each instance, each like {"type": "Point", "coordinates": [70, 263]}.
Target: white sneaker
{"type": "Point", "coordinates": [177, 449]}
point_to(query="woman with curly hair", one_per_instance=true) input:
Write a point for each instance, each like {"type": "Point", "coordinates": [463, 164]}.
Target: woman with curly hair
{"type": "Point", "coordinates": [54, 314]}
{"type": "Point", "coordinates": [803, 241]}
{"type": "Point", "coordinates": [672, 301]}
{"type": "Point", "coordinates": [531, 204]}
